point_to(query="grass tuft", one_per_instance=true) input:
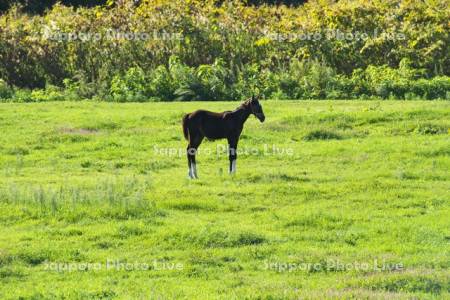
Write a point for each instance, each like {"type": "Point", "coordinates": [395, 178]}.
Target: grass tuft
{"type": "Point", "coordinates": [322, 134]}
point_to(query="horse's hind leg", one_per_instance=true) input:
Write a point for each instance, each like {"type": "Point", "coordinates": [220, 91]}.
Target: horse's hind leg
{"type": "Point", "coordinates": [190, 174]}
{"type": "Point", "coordinates": [194, 142]}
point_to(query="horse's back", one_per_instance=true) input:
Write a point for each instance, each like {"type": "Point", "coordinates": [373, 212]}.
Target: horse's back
{"type": "Point", "coordinates": [210, 124]}
{"type": "Point", "coordinates": [207, 114]}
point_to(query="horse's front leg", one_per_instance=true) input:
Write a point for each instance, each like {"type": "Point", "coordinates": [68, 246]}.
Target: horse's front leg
{"type": "Point", "coordinates": [232, 151]}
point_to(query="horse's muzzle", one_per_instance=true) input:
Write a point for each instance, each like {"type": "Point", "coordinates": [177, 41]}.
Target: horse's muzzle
{"type": "Point", "coordinates": [261, 117]}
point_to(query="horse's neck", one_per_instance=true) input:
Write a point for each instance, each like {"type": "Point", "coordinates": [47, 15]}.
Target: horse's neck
{"type": "Point", "coordinates": [242, 114]}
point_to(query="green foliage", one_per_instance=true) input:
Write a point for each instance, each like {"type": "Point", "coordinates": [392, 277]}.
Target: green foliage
{"type": "Point", "coordinates": [214, 80]}
{"type": "Point", "coordinates": [50, 93]}
{"type": "Point", "coordinates": [303, 80]}
{"type": "Point", "coordinates": [161, 85]}
{"type": "Point", "coordinates": [437, 87]}
{"type": "Point", "coordinates": [5, 91]}
{"type": "Point", "coordinates": [78, 87]}
{"type": "Point", "coordinates": [42, 5]}
{"type": "Point", "coordinates": [131, 87]}
{"type": "Point", "coordinates": [186, 83]}
{"type": "Point", "coordinates": [23, 95]}
{"type": "Point", "coordinates": [209, 50]}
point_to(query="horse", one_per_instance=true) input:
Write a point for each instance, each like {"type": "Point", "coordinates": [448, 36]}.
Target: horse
{"type": "Point", "coordinates": [212, 125]}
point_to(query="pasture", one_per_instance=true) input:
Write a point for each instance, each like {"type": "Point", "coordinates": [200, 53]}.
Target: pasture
{"type": "Point", "coordinates": [331, 199]}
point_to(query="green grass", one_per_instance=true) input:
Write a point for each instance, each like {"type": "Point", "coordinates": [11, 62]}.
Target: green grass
{"type": "Point", "coordinates": [324, 187]}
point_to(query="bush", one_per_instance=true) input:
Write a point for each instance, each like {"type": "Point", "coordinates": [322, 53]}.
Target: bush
{"type": "Point", "coordinates": [5, 91]}
{"type": "Point", "coordinates": [214, 80]}
{"type": "Point", "coordinates": [50, 93]}
{"type": "Point", "coordinates": [434, 88]}
{"type": "Point", "coordinates": [23, 96]}
{"type": "Point", "coordinates": [187, 85]}
{"type": "Point", "coordinates": [250, 79]}
{"type": "Point", "coordinates": [161, 85]}
{"type": "Point", "coordinates": [78, 87]}
{"type": "Point", "coordinates": [303, 80]}
{"type": "Point", "coordinates": [131, 87]}
{"type": "Point", "coordinates": [214, 52]}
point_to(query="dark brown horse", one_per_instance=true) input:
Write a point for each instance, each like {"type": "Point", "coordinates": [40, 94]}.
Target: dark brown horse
{"type": "Point", "coordinates": [228, 124]}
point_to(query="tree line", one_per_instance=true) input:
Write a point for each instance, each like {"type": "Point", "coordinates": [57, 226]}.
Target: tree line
{"type": "Point", "coordinates": [212, 50]}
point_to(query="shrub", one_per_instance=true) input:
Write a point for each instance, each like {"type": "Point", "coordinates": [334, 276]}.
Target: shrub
{"type": "Point", "coordinates": [187, 84]}
{"type": "Point", "coordinates": [314, 79]}
{"type": "Point", "coordinates": [23, 95]}
{"type": "Point", "coordinates": [248, 81]}
{"type": "Point", "coordinates": [5, 91]}
{"type": "Point", "coordinates": [161, 85]}
{"type": "Point", "coordinates": [50, 93]}
{"type": "Point", "coordinates": [214, 80]}
{"type": "Point", "coordinates": [131, 87]}
{"type": "Point", "coordinates": [78, 87]}
{"type": "Point", "coordinates": [434, 88]}
{"type": "Point", "coordinates": [221, 55]}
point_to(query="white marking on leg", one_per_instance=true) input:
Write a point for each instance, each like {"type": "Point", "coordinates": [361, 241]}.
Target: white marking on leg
{"type": "Point", "coordinates": [190, 172]}
{"type": "Point", "coordinates": [194, 170]}
{"type": "Point", "coordinates": [233, 166]}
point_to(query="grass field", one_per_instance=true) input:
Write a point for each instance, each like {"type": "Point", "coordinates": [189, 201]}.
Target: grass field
{"type": "Point", "coordinates": [330, 200]}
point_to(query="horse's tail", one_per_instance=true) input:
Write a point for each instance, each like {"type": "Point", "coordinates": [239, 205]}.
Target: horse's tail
{"type": "Point", "coordinates": [185, 127]}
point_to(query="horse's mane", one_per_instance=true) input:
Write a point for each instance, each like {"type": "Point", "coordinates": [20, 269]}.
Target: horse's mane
{"type": "Point", "coordinates": [245, 104]}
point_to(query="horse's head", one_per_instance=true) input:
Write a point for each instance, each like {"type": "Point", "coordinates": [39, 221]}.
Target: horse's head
{"type": "Point", "coordinates": [256, 108]}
